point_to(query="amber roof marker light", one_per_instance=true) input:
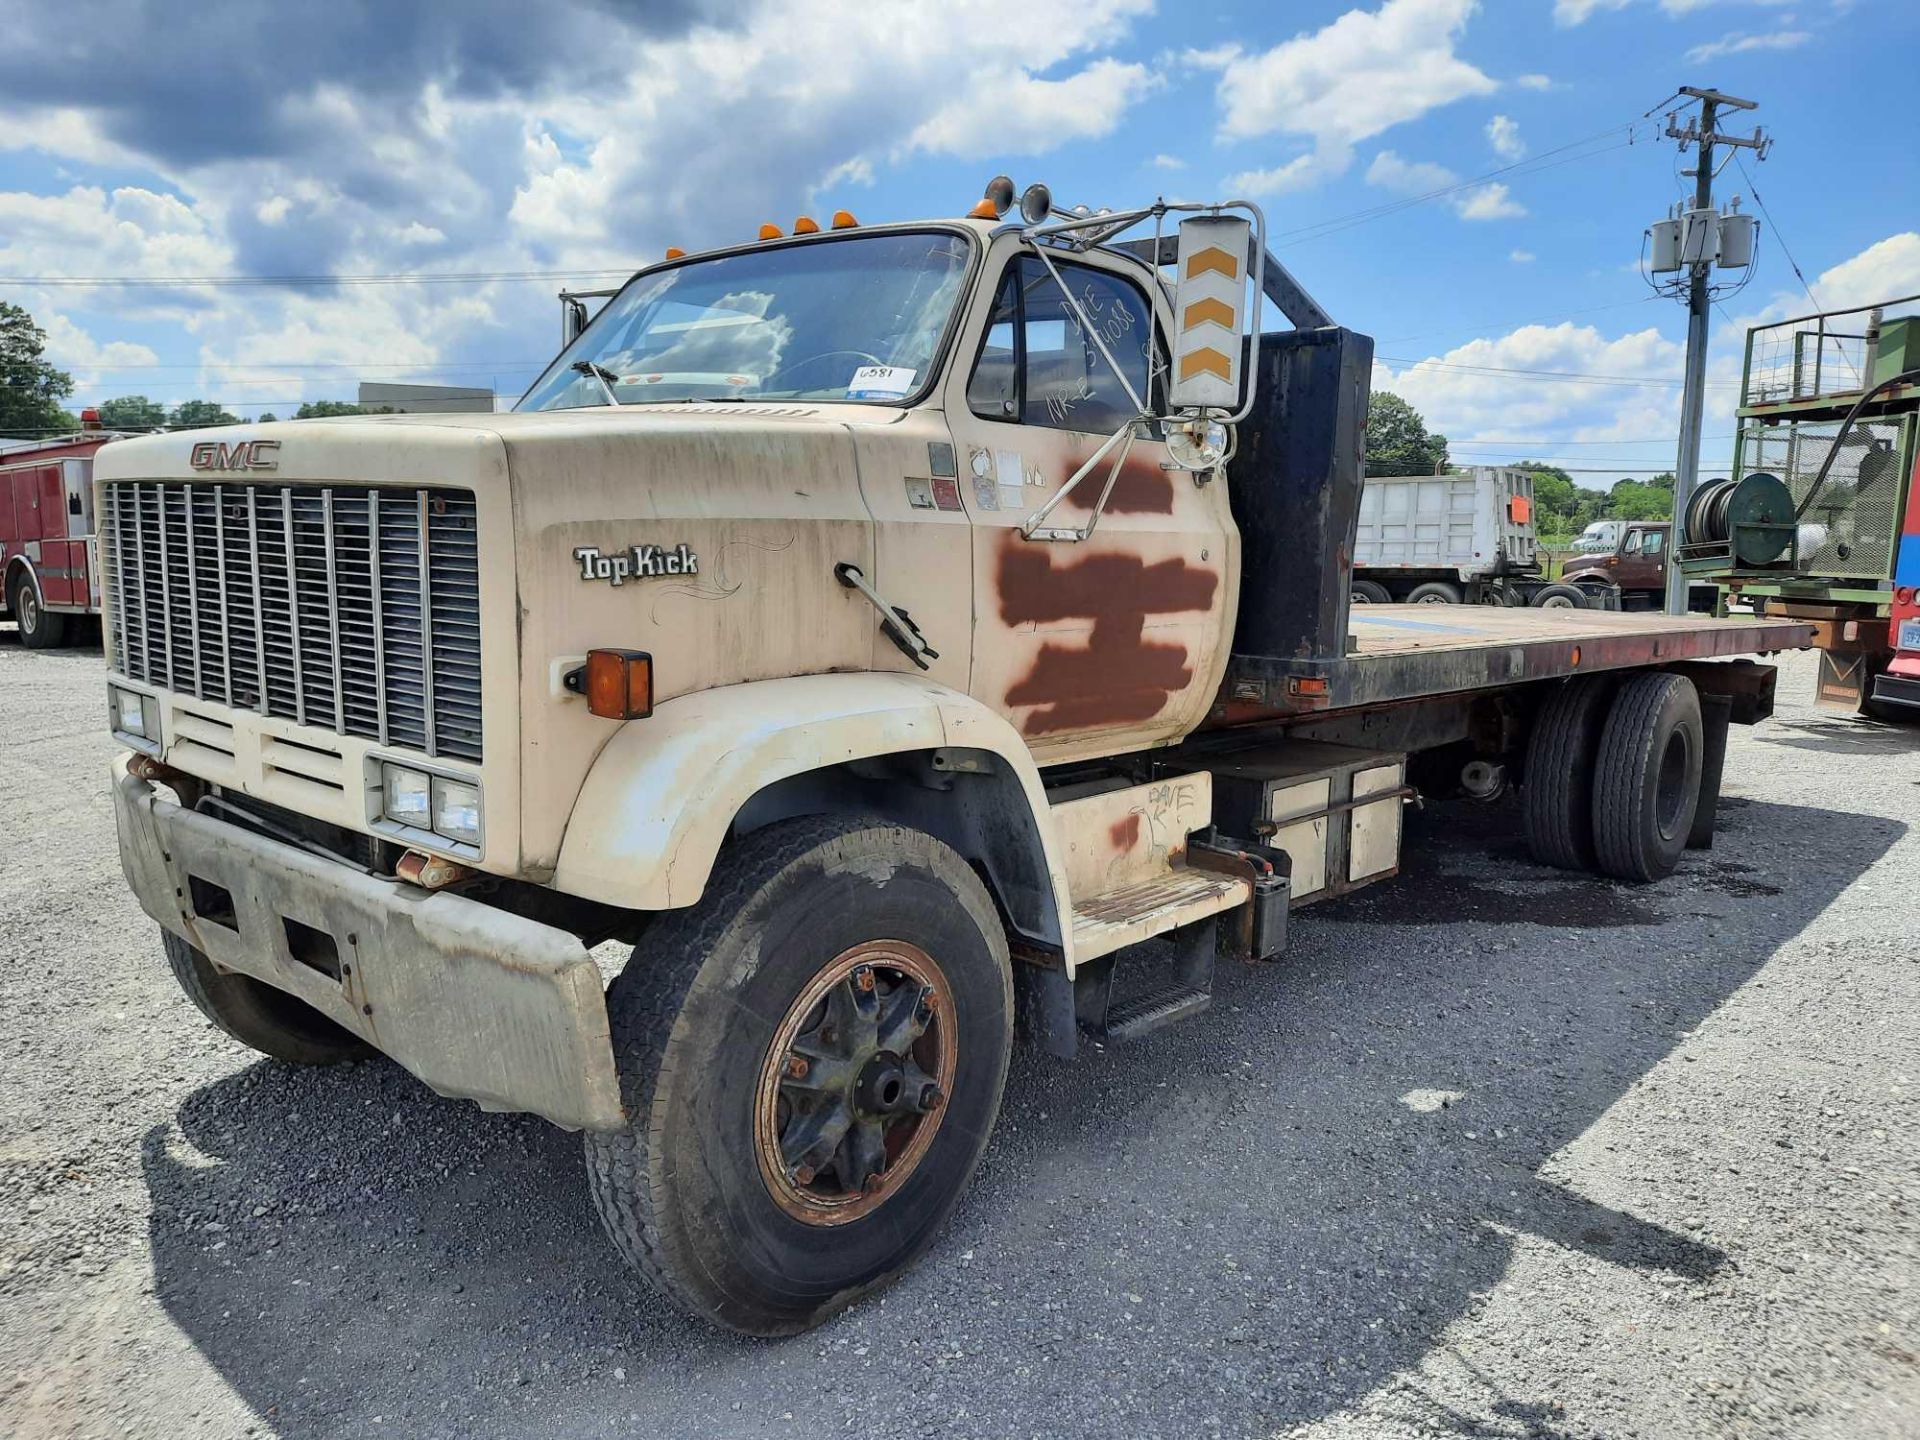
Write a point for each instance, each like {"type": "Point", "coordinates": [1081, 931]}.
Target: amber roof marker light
{"type": "Point", "coordinates": [843, 220]}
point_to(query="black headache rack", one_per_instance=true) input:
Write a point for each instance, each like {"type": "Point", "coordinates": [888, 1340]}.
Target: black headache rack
{"type": "Point", "coordinates": [1298, 646]}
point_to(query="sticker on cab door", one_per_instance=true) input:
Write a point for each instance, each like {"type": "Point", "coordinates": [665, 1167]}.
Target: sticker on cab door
{"type": "Point", "coordinates": [880, 382]}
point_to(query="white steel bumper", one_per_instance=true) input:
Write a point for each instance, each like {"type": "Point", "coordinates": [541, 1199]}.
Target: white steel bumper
{"type": "Point", "coordinates": [480, 1004]}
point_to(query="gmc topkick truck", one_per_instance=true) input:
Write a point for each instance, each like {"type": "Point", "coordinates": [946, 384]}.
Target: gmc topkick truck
{"type": "Point", "coordinates": [869, 625]}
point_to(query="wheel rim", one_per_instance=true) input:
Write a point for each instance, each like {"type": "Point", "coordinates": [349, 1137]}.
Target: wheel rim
{"type": "Point", "coordinates": [855, 1082]}
{"type": "Point", "coordinates": [26, 610]}
{"type": "Point", "coordinates": [1433, 600]}
{"type": "Point", "coordinates": [1671, 795]}
{"type": "Point", "coordinates": [1556, 602]}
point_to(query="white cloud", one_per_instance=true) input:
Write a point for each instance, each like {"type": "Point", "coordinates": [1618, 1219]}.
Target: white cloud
{"type": "Point", "coordinates": [1889, 268]}
{"type": "Point", "coordinates": [1738, 44]}
{"type": "Point", "coordinates": [1009, 112]}
{"type": "Point", "coordinates": [1422, 177]}
{"type": "Point", "coordinates": [789, 101]}
{"type": "Point", "coordinates": [1534, 82]}
{"type": "Point", "coordinates": [1489, 202]}
{"type": "Point", "coordinates": [1411, 177]}
{"type": "Point", "coordinates": [1578, 12]}
{"type": "Point", "coordinates": [1362, 74]}
{"type": "Point", "coordinates": [72, 348]}
{"type": "Point", "coordinates": [1168, 162]}
{"type": "Point", "coordinates": [1522, 257]}
{"type": "Point", "coordinates": [1295, 174]}
{"type": "Point", "coordinates": [1503, 133]}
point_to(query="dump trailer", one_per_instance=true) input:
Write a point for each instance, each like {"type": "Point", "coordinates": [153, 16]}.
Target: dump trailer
{"type": "Point", "coordinates": [886, 631]}
{"type": "Point", "coordinates": [1820, 521]}
{"type": "Point", "coordinates": [1463, 537]}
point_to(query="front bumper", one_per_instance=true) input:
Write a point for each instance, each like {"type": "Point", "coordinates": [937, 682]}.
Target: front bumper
{"type": "Point", "coordinates": [1891, 689]}
{"type": "Point", "coordinates": [478, 1003]}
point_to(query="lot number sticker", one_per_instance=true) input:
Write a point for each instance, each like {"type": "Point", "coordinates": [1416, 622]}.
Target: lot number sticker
{"type": "Point", "coordinates": [880, 382]}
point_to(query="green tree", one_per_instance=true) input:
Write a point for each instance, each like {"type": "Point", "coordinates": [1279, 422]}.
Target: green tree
{"type": "Point", "coordinates": [320, 409]}
{"type": "Point", "coordinates": [266, 415]}
{"type": "Point", "coordinates": [132, 412]}
{"type": "Point", "coordinates": [1633, 500]}
{"type": "Point", "coordinates": [199, 415]}
{"type": "Point", "coordinates": [1398, 442]}
{"type": "Point", "coordinates": [30, 389]}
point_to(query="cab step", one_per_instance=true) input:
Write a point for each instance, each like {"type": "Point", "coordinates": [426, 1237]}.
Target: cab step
{"type": "Point", "coordinates": [1152, 1012]}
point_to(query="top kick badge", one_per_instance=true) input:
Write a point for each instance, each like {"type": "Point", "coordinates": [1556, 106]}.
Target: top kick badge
{"type": "Point", "coordinates": [639, 562]}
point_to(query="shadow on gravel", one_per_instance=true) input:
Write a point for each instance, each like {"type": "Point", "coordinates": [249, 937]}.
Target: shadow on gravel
{"type": "Point", "coordinates": [1844, 735]}
{"type": "Point", "coordinates": [1245, 1222]}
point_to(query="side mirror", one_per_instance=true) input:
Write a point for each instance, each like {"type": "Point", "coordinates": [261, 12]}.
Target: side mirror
{"type": "Point", "coordinates": [573, 319]}
{"type": "Point", "coordinates": [1210, 312]}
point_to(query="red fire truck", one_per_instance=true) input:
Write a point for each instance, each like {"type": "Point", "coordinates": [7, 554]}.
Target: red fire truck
{"type": "Point", "coordinates": [47, 566]}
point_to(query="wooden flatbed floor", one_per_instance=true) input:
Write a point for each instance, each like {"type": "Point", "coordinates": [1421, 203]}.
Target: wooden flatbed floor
{"type": "Point", "coordinates": [1405, 652]}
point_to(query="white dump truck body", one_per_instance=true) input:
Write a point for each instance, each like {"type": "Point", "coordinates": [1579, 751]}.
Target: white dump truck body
{"type": "Point", "coordinates": [1472, 525]}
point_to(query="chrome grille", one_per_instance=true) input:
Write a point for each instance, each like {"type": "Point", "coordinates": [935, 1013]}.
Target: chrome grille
{"type": "Point", "coordinates": [350, 608]}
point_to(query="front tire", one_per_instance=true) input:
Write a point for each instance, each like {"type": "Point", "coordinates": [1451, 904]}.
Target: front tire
{"type": "Point", "coordinates": [811, 1061]}
{"type": "Point", "coordinates": [257, 1015]}
{"type": "Point", "coordinates": [40, 628]}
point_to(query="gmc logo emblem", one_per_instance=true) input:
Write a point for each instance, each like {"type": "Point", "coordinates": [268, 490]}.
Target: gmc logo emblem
{"type": "Point", "coordinates": [241, 455]}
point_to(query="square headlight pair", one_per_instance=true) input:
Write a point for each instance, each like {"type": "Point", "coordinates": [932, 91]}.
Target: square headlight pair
{"type": "Point", "coordinates": [448, 808]}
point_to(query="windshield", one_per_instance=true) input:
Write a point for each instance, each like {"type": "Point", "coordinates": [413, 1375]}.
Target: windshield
{"type": "Point", "coordinates": [859, 318]}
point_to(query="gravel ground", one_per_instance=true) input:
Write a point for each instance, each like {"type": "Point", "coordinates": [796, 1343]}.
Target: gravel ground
{"type": "Point", "coordinates": [1493, 1151]}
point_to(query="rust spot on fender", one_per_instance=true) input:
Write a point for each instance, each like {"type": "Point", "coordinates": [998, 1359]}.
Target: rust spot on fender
{"type": "Point", "coordinates": [1142, 488]}
{"type": "Point", "coordinates": [1125, 833]}
{"type": "Point", "coordinates": [1119, 676]}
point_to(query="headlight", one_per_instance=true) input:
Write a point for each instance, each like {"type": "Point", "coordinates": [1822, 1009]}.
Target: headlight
{"type": "Point", "coordinates": [409, 796]}
{"type": "Point", "coordinates": [456, 810]}
{"type": "Point", "coordinates": [128, 711]}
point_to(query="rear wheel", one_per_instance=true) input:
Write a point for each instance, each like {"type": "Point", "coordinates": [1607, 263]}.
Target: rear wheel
{"type": "Point", "coordinates": [1434, 592]}
{"type": "Point", "coordinates": [1559, 597]}
{"type": "Point", "coordinates": [40, 628]}
{"type": "Point", "coordinates": [1646, 783]}
{"type": "Point", "coordinates": [811, 1061]}
{"type": "Point", "coordinates": [1370, 592]}
{"type": "Point", "coordinates": [269, 1020]}
{"type": "Point", "coordinates": [1556, 795]}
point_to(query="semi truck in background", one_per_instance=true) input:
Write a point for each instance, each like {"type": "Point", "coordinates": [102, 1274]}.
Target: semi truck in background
{"type": "Point", "coordinates": [1465, 537]}
{"type": "Point", "coordinates": [49, 570]}
{"type": "Point", "coordinates": [885, 630]}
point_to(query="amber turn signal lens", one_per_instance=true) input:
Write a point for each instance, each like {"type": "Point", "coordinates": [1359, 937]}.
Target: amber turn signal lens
{"type": "Point", "coordinates": [619, 684]}
{"type": "Point", "coordinates": [843, 220]}
{"type": "Point", "coordinates": [674, 252]}
{"type": "Point", "coordinates": [769, 231]}
{"type": "Point", "coordinates": [806, 225]}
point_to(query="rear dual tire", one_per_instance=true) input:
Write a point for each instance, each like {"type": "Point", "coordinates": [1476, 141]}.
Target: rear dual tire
{"type": "Point", "coordinates": [40, 628]}
{"type": "Point", "coordinates": [1613, 775]}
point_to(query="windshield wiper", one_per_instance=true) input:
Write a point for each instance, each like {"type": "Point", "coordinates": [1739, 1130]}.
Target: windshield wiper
{"type": "Point", "coordinates": [605, 376]}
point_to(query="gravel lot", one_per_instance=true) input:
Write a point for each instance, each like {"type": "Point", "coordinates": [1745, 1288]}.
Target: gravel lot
{"type": "Point", "coordinates": [1493, 1151]}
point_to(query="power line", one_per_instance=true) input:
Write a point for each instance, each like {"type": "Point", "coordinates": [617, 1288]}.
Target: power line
{"type": "Point", "coordinates": [1578, 377]}
{"type": "Point", "coordinates": [1778, 233]}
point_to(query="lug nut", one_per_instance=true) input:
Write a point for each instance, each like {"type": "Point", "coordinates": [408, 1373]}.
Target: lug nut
{"type": "Point", "coordinates": [797, 1067]}
{"type": "Point", "coordinates": [931, 1097]}
{"type": "Point", "coordinates": [863, 977]}
{"type": "Point", "coordinates": [873, 1182]}
{"type": "Point", "coordinates": [803, 1174]}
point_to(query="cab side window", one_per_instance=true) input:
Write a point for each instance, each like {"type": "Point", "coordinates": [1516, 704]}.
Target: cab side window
{"type": "Point", "coordinates": [1038, 366]}
{"type": "Point", "coordinates": [1652, 542]}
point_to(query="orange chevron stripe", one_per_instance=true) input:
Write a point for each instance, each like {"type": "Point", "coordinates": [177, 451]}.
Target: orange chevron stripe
{"type": "Point", "coordinates": [1212, 258]}
{"type": "Point", "coordinates": [1202, 311]}
{"type": "Point", "coordinates": [1205, 361]}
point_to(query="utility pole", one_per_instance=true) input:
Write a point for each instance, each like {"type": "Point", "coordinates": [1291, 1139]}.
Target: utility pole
{"type": "Point", "coordinates": [1699, 251]}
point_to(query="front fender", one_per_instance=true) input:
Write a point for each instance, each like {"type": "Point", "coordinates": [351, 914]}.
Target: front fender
{"type": "Point", "coordinates": [663, 794]}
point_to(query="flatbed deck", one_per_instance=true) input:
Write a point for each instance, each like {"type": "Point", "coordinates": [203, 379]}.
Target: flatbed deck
{"type": "Point", "coordinates": [1410, 652]}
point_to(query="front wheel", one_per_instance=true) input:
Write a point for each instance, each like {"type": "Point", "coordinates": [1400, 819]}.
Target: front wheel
{"type": "Point", "coordinates": [811, 1061]}
{"type": "Point", "coordinates": [257, 1015]}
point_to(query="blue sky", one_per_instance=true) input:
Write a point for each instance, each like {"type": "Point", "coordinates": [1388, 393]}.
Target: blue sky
{"type": "Point", "coordinates": [490, 138]}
